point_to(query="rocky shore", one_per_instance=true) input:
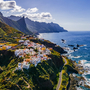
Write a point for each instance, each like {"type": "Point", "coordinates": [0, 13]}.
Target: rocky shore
{"type": "Point", "coordinates": [78, 81]}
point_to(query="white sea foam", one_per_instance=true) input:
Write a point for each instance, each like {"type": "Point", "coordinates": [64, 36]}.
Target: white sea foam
{"type": "Point", "coordinates": [87, 81]}
{"type": "Point", "coordinates": [85, 48]}
{"type": "Point", "coordinates": [70, 51]}
{"type": "Point", "coordinates": [77, 56]}
{"type": "Point", "coordinates": [78, 88]}
{"type": "Point", "coordinates": [76, 50]}
{"type": "Point", "coordinates": [86, 66]}
{"type": "Point", "coordinates": [70, 56]}
{"type": "Point", "coordinates": [66, 48]}
{"type": "Point", "coordinates": [74, 56]}
{"type": "Point", "coordinates": [82, 61]}
{"type": "Point", "coordinates": [40, 35]}
{"type": "Point", "coordinates": [85, 45]}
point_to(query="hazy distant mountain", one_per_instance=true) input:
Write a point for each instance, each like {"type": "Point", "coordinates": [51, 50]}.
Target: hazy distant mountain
{"type": "Point", "coordinates": [40, 27]}
{"type": "Point", "coordinates": [15, 18]}
{"type": "Point", "coordinates": [15, 24]}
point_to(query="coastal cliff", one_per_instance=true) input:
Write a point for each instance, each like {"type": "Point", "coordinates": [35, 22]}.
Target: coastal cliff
{"type": "Point", "coordinates": [43, 76]}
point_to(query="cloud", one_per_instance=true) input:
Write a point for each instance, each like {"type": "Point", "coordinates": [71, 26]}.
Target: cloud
{"type": "Point", "coordinates": [18, 9]}
{"type": "Point", "coordinates": [32, 10]}
{"type": "Point", "coordinates": [46, 15]}
{"type": "Point", "coordinates": [10, 7]}
{"type": "Point", "coordinates": [6, 5]}
{"type": "Point", "coordinates": [42, 16]}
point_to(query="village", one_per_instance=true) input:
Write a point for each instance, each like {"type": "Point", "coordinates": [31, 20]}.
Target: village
{"type": "Point", "coordinates": [32, 53]}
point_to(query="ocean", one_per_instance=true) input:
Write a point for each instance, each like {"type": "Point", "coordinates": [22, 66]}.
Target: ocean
{"type": "Point", "coordinates": [73, 38]}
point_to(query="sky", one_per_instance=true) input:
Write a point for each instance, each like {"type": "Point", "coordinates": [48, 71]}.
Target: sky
{"type": "Point", "coordinates": [72, 15]}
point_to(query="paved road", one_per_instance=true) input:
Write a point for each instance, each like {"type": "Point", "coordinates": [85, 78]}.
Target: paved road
{"type": "Point", "coordinates": [26, 82]}
{"type": "Point", "coordinates": [60, 75]}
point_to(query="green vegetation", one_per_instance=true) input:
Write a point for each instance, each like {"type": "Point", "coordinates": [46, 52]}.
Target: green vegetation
{"type": "Point", "coordinates": [7, 33]}
{"type": "Point", "coordinates": [65, 79]}
{"type": "Point", "coordinates": [2, 33]}
{"type": "Point", "coordinates": [42, 77]}
{"type": "Point", "coordinates": [67, 69]}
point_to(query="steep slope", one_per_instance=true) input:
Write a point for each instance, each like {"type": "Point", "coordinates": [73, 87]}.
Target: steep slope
{"type": "Point", "coordinates": [24, 28]}
{"type": "Point", "coordinates": [14, 24]}
{"type": "Point", "coordinates": [57, 27]}
{"type": "Point", "coordinates": [8, 30]}
{"type": "Point", "coordinates": [40, 27]}
{"type": "Point", "coordinates": [2, 32]}
{"type": "Point", "coordinates": [7, 33]}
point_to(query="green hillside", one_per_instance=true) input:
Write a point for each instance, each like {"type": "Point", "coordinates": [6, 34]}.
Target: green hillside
{"type": "Point", "coordinates": [2, 32]}
{"type": "Point", "coordinates": [7, 33]}
{"type": "Point", "coordinates": [42, 77]}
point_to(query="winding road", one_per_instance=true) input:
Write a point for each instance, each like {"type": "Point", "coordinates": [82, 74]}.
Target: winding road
{"type": "Point", "coordinates": [26, 82]}
{"type": "Point", "coordinates": [60, 75]}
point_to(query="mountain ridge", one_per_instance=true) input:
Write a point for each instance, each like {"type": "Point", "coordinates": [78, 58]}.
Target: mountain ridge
{"type": "Point", "coordinates": [40, 27]}
{"type": "Point", "coordinates": [14, 24]}
{"type": "Point", "coordinates": [22, 23]}
{"type": "Point", "coordinates": [28, 26]}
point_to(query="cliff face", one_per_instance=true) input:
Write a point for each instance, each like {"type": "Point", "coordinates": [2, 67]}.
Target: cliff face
{"type": "Point", "coordinates": [23, 26]}
{"type": "Point", "coordinates": [40, 27]}
{"type": "Point", "coordinates": [15, 24]}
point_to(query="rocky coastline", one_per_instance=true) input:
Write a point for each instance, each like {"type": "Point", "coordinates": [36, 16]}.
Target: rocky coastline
{"type": "Point", "coordinates": [73, 82]}
{"type": "Point", "coordinates": [78, 81]}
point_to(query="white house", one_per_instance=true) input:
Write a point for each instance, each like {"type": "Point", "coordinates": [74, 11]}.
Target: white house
{"type": "Point", "coordinates": [27, 41]}
{"type": "Point", "coordinates": [8, 47]}
{"type": "Point", "coordinates": [25, 44]}
{"type": "Point", "coordinates": [21, 41]}
{"type": "Point", "coordinates": [26, 65]}
{"type": "Point", "coordinates": [19, 66]}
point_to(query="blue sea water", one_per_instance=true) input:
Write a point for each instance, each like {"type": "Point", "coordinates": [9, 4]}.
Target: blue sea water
{"type": "Point", "coordinates": [73, 38]}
